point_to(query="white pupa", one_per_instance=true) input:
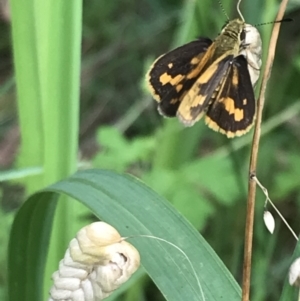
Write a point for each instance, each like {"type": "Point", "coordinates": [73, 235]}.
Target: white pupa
{"type": "Point", "coordinates": [96, 263]}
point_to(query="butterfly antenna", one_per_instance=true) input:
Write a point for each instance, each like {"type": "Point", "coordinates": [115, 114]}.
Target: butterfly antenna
{"type": "Point", "coordinates": [278, 21]}
{"type": "Point", "coordinates": [223, 9]}
{"type": "Point", "coordinates": [238, 10]}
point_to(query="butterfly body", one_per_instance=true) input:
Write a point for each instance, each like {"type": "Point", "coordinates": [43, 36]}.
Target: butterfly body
{"type": "Point", "coordinates": [212, 78]}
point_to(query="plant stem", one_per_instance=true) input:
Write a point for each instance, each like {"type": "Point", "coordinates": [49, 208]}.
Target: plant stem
{"type": "Point", "coordinates": [253, 158]}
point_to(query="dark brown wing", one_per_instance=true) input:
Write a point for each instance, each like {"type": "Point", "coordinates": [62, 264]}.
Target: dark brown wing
{"type": "Point", "coordinates": [233, 111]}
{"type": "Point", "coordinates": [170, 76]}
{"type": "Point", "coordinates": [203, 92]}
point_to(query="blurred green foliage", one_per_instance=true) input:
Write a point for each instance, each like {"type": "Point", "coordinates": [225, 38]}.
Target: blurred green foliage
{"type": "Point", "coordinates": [199, 171]}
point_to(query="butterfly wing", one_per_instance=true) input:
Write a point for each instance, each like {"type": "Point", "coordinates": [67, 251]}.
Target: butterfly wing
{"type": "Point", "coordinates": [196, 101]}
{"type": "Point", "coordinates": [174, 73]}
{"type": "Point", "coordinates": [233, 111]}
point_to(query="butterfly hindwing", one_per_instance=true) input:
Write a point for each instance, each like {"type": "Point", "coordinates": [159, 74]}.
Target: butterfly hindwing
{"type": "Point", "coordinates": [171, 75]}
{"type": "Point", "coordinates": [233, 111]}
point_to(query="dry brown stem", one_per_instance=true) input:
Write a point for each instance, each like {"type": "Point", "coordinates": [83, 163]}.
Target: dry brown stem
{"type": "Point", "coordinates": [253, 158]}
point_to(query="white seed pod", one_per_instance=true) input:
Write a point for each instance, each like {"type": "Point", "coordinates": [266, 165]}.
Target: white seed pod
{"type": "Point", "coordinates": [96, 263]}
{"type": "Point", "coordinates": [251, 49]}
{"type": "Point", "coordinates": [269, 221]}
{"type": "Point", "coordinates": [294, 273]}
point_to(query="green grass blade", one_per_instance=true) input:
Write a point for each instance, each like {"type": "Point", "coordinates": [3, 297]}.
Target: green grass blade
{"type": "Point", "coordinates": [28, 248]}
{"type": "Point", "coordinates": [133, 209]}
{"type": "Point", "coordinates": [28, 89]}
{"type": "Point", "coordinates": [47, 46]}
{"type": "Point", "coordinates": [59, 65]}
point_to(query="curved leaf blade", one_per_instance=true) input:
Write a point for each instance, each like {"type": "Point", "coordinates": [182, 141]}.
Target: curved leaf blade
{"type": "Point", "coordinates": [134, 209]}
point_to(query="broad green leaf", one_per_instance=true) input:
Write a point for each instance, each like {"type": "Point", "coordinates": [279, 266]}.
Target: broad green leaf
{"type": "Point", "coordinates": [186, 192]}
{"type": "Point", "coordinates": [133, 209]}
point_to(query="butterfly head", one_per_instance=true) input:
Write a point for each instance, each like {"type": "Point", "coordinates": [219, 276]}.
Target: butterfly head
{"type": "Point", "coordinates": [235, 31]}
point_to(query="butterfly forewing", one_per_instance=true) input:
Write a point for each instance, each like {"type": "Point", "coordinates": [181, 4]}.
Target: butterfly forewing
{"type": "Point", "coordinates": [196, 101]}
{"type": "Point", "coordinates": [173, 74]}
